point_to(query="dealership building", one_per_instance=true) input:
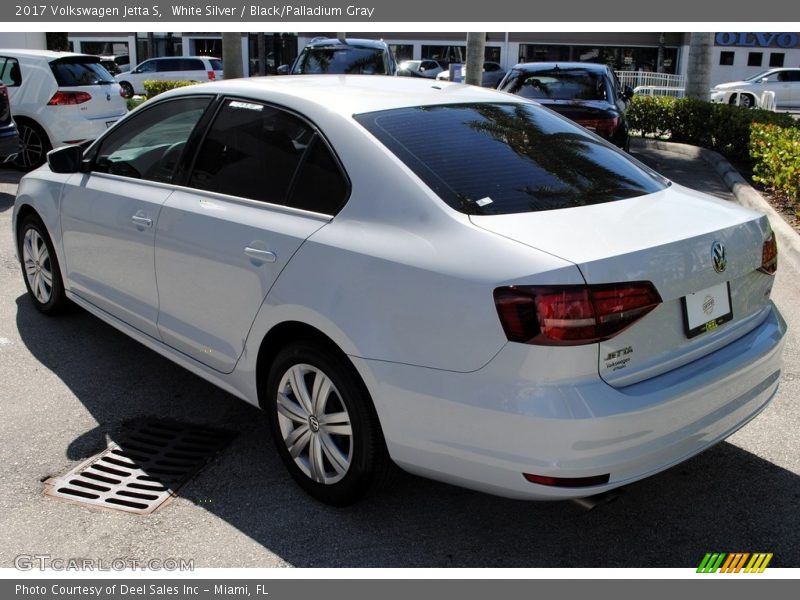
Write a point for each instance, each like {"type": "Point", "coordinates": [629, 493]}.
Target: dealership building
{"type": "Point", "coordinates": [736, 55]}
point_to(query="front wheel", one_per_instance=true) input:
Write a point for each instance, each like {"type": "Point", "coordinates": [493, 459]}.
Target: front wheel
{"type": "Point", "coordinates": [324, 424]}
{"type": "Point", "coordinates": [40, 267]}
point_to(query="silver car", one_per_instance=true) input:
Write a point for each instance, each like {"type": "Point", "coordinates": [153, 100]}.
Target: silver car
{"type": "Point", "coordinates": [448, 279]}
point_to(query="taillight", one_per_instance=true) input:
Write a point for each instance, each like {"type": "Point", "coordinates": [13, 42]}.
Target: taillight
{"type": "Point", "coordinates": [572, 314]}
{"type": "Point", "coordinates": [212, 76]}
{"type": "Point", "coordinates": [769, 255]}
{"type": "Point", "coordinates": [600, 125]}
{"type": "Point", "coordinates": [62, 98]}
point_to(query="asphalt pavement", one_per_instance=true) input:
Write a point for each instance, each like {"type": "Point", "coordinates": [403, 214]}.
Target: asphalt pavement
{"type": "Point", "coordinates": [68, 386]}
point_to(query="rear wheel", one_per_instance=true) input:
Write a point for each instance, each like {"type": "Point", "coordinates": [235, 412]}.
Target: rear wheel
{"type": "Point", "coordinates": [324, 424]}
{"type": "Point", "coordinates": [127, 89]}
{"type": "Point", "coordinates": [40, 267]}
{"type": "Point", "coordinates": [33, 146]}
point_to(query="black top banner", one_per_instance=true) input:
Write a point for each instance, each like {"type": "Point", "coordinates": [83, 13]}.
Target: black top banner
{"type": "Point", "coordinates": [396, 11]}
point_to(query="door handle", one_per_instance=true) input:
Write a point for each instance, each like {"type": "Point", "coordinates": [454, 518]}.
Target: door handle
{"type": "Point", "coordinates": [142, 221]}
{"type": "Point", "coordinates": [262, 255]}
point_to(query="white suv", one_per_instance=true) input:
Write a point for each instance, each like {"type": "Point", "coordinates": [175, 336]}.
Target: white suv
{"type": "Point", "coordinates": [173, 68]}
{"type": "Point", "coordinates": [58, 98]}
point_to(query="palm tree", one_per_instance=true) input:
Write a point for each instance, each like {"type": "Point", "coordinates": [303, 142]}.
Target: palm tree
{"type": "Point", "coordinates": [698, 72]}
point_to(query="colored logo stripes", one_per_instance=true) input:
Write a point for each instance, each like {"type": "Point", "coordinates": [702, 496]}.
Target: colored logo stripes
{"type": "Point", "coordinates": [735, 562]}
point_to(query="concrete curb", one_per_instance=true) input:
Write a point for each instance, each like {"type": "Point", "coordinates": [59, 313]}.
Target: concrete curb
{"type": "Point", "coordinates": [788, 238]}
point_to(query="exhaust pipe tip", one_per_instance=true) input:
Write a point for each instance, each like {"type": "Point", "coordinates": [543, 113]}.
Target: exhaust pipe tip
{"type": "Point", "coordinates": [591, 502]}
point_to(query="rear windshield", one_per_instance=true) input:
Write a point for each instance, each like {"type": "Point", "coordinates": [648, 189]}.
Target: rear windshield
{"type": "Point", "coordinates": [489, 159]}
{"type": "Point", "coordinates": [71, 72]}
{"type": "Point", "coordinates": [558, 84]}
{"type": "Point", "coordinates": [341, 60]}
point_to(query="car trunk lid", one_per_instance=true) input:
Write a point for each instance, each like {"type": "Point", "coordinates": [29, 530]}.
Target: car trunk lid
{"type": "Point", "coordinates": [665, 238]}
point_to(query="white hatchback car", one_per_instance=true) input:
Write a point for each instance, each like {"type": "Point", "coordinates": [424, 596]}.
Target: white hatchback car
{"type": "Point", "coordinates": [58, 98]}
{"type": "Point", "coordinates": [169, 68]}
{"type": "Point", "coordinates": [440, 276]}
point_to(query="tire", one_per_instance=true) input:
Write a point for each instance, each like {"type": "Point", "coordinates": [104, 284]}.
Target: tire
{"type": "Point", "coordinates": [127, 89]}
{"type": "Point", "coordinates": [324, 424]}
{"type": "Point", "coordinates": [40, 268]}
{"type": "Point", "coordinates": [33, 146]}
{"type": "Point", "coordinates": [748, 101]}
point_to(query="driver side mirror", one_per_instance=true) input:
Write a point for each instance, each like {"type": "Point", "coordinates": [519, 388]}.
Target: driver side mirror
{"type": "Point", "coordinates": [627, 93]}
{"type": "Point", "coordinates": [66, 159]}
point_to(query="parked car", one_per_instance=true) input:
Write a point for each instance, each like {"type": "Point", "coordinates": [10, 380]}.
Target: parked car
{"type": "Point", "coordinates": [174, 68]}
{"type": "Point", "coordinates": [58, 98]}
{"type": "Point", "coordinates": [589, 94]}
{"type": "Point", "coordinates": [9, 137]}
{"type": "Point", "coordinates": [784, 82]}
{"type": "Point", "coordinates": [349, 57]}
{"type": "Point", "coordinates": [448, 278]}
{"type": "Point", "coordinates": [493, 74]}
{"type": "Point", "coordinates": [420, 68]}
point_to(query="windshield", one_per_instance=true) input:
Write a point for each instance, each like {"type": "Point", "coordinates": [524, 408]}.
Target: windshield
{"type": "Point", "coordinates": [760, 76]}
{"type": "Point", "coordinates": [489, 159]}
{"type": "Point", "coordinates": [341, 60]}
{"type": "Point", "coordinates": [72, 72]}
{"type": "Point", "coordinates": [558, 84]}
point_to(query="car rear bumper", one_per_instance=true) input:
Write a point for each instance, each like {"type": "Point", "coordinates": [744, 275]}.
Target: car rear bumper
{"type": "Point", "coordinates": [74, 129]}
{"type": "Point", "coordinates": [484, 429]}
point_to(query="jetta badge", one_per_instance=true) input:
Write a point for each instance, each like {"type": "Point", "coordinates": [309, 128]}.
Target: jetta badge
{"type": "Point", "coordinates": [719, 257]}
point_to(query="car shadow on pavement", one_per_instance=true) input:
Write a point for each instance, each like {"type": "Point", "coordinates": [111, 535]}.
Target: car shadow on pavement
{"type": "Point", "coordinates": [724, 500]}
{"type": "Point", "coordinates": [6, 202]}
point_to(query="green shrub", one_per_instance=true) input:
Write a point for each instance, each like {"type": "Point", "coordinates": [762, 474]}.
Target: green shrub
{"type": "Point", "coordinates": [776, 158]}
{"type": "Point", "coordinates": [721, 127]}
{"type": "Point", "coordinates": [154, 88]}
{"type": "Point", "coordinates": [134, 102]}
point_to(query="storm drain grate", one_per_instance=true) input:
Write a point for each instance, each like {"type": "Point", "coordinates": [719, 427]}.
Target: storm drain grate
{"type": "Point", "coordinates": [144, 470]}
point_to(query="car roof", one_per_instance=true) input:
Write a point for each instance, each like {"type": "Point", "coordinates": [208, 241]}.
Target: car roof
{"type": "Point", "coordinates": [547, 66]}
{"type": "Point", "coordinates": [349, 94]}
{"type": "Point", "coordinates": [46, 54]}
{"type": "Point", "coordinates": [356, 42]}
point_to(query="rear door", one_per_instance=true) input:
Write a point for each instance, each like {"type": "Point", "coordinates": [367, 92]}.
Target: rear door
{"type": "Point", "coordinates": [263, 181]}
{"type": "Point", "coordinates": [109, 215]}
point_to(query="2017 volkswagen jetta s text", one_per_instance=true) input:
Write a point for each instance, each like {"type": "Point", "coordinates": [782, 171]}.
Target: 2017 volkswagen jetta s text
{"type": "Point", "coordinates": [430, 275]}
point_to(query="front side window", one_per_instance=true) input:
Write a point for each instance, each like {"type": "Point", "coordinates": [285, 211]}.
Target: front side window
{"type": "Point", "coordinates": [150, 143]}
{"type": "Point", "coordinates": [263, 153]}
{"type": "Point", "coordinates": [488, 159]}
{"type": "Point", "coordinates": [148, 66]}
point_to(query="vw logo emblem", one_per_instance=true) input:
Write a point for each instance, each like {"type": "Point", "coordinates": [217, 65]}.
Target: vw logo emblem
{"type": "Point", "coordinates": [313, 423]}
{"type": "Point", "coordinates": [719, 257]}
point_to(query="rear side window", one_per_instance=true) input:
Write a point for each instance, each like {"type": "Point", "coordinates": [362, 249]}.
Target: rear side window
{"type": "Point", "coordinates": [263, 153]}
{"type": "Point", "coordinates": [149, 144]}
{"type": "Point", "coordinates": [191, 64]}
{"type": "Point", "coordinates": [77, 72]}
{"type": "Point", "coordinates": [489, 159]}
{"type": "Point", "coordinates": [10, 73]}
{"type": "Point", "coordinates": [216, 64]}
{"type": "Point", "coordinates": [169, 64]}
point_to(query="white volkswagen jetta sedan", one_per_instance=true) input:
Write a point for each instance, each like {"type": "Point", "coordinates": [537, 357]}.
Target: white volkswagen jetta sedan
{"type": "Point", "coordinates": [437, 276]}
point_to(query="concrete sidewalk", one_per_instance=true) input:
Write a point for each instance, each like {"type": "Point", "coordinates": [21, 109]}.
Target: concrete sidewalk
{"type": "Point", "coordinates": [710, 172]}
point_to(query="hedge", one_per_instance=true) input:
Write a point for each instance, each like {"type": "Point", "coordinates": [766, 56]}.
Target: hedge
{"type": "Point", "coordinates": [721, 127]}
{"type": "Point", "coordinates": [154, 88]}
{"type": "Point", "coordinates": [776, 156]}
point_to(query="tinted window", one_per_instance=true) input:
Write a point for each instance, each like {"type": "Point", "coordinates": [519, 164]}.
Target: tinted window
{"type": "Point", "coordinates": [169, 64]}
{"type": "Point", "coordinates": [150, 143]}
{"type": "Point", "coordinates": [148, 66]}
{"type": "Point", "coordinates": [251, 151]}
{"type": "Point", "coordinates": [320, 185]}
{"type": "Point", "coordinates": [508, 158]}
{"type": "Point", "coordinates": [191, 64]}
{"type": "Point", "coordinates": [558, 84]}
{"type": "Point", "coordinates": [343, 60]}
{"type": "Point", "coordinates": [10, 73]}
{"type": "Point", "coordinates": [75, 72]}
{"type": "Point", "coordinates": [216, 64]}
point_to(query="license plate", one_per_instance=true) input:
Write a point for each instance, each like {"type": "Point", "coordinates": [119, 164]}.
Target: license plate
{"type": "Point", "coordinates": [707, 309]}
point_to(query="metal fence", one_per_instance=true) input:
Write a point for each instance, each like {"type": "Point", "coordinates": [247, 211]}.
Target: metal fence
{"type": "Point", "coordinates": [648, 79]}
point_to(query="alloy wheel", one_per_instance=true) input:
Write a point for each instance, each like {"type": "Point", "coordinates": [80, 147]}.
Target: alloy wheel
{"type": "Point", "coordinates": [38, 267]}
